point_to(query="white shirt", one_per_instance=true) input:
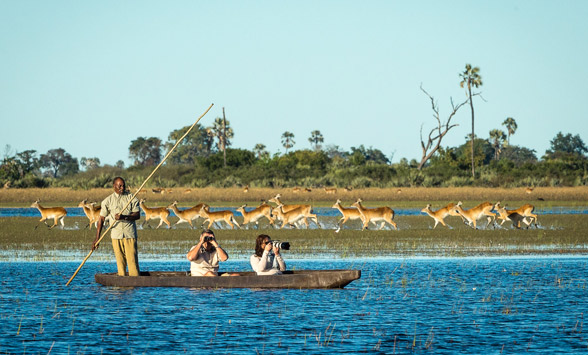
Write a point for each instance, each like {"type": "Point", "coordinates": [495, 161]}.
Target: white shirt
{"type": "Point", "coordinates": [204, 263]}
{"type": "Point", "coordinates": [267, 264]}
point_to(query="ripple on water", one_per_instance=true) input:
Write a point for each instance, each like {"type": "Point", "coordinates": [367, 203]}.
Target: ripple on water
{"type": "Point", "coordinates": [459, 305]}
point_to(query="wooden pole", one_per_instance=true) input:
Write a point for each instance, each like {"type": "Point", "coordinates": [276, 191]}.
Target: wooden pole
{"type": "Point", "coordinates": [136, 192]}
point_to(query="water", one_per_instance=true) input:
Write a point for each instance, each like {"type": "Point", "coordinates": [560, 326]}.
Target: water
{"type": "Point", "coordinates": [477, 305]}
{"type": "Point", "coordinates": [319, 211]}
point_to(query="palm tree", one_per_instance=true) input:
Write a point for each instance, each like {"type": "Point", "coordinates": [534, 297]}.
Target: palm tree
{"type": "Point", "coordinates": [470, 77]}
{"type": "Point", "coordinates": [223, 133]}
{"type": "Point", "coordinates": [315, 139]}
{"type": "Point", "coordinates": [260, 151]}
{"type": "Point", "coordinates": [511, 127]}
{"type": "Point", "coordinates": [497, 138]}
{"type": "Point", "coordinates": [288, 140]}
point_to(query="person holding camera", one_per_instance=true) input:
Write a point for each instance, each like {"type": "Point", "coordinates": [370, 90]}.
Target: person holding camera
{"type": "Point", "coordinates": [206, 255]}
{"type": "Point", "coordinates": [267, 259]}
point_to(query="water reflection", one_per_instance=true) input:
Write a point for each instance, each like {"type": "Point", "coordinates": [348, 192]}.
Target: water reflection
{"type": "Point", "coordinates": [472, 305]}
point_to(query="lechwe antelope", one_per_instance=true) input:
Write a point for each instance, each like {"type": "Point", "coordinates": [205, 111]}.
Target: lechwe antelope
{"type": "Point", "coordinates": [217, 216]}
{"type": "Point", "coordinates": [440, 214]}
{"type": "Point", "coordinates": [57, 213]}
{"type": "Point", "coordinates": [253, 216]}
{"type": "Point", "coordinates": [154, 213]}
{"type": "Point", "coordinates": [330, 190]}
{"type": "Point", "coordinates": [484, 209]}
{"type": "Point", "coordinates": [187, 215]}
{"type": "Point", "coordinates": [348, 214]}
{"type": "Point", "coordinates": [292, 217]}
{"type": "Point", "coordinates": [383, 214]}
{"type": "Point", "coordinates": [91, 211]}
{"type": "Point", "coordinates": [516, 216]}
{"type": "Point", "coordinates": [286, 208]}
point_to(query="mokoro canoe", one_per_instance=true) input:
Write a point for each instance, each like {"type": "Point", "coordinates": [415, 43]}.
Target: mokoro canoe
{"type": "Point", "coordinates": [289, 279]}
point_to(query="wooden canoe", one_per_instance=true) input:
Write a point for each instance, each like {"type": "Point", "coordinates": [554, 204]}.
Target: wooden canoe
{"type": "Point", "coordinates": [289, 279]}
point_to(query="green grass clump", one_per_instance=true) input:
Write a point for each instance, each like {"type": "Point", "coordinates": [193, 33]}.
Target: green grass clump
{"type": "Point", "coordinates": [558, 234]}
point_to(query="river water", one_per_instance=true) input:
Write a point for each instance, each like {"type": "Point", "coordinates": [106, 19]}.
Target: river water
{"type": "Point", "coordinates": [319, 211]}
{"type": "Point", "coordinates": [461, 305]}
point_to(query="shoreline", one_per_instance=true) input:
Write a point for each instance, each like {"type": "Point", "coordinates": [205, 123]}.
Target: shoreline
{"type": "Point", "coordinates": [323, 258]}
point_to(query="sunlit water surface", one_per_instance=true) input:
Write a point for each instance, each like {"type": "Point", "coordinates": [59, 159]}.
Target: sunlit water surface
{"type": "Point", "coordinates": [474, 306]}
{"type": "Point", "coordinates": [319, 211]}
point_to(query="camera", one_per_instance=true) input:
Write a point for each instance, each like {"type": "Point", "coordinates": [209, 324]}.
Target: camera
{"type": "Point", "coordinates": [281, 245]}
{"type": "Point", "coordinates": [208, 238]}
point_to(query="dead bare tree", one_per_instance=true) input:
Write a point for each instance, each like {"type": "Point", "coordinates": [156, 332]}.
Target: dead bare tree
{"type": "Point", "coordinates": [437, 133]}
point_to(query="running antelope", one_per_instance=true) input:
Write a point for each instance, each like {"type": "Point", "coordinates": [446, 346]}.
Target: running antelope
{"type": "Point", "coordinates": [154, 213]}
{"type": "Point", "coordinates": [383, 214]}
{"type": "Point", "coordinates": [484, 209]}
{"type": "Point", "coordinates": [440, 214]}
{"type": "Point", "coordinates": [253, 216]}
{"type": "Point", "coordinates": [277, 200]}
{"type": "Point", "coordinates": [293, 216]}
{"type": "Point", "coordinates": [187, 215]}
{"type": "Point", "coordinates": [92, 212]}
{"type": "Point", "coordinates": [348, 214]}
{"type": "Point", "coordinates": [217, 216]}
{"type": "Point", "coordinates": [57, 213]}
{"type": "Point", "coordinates": [286, 208]}
{"type": "Point", "coordinates": [516, 216]}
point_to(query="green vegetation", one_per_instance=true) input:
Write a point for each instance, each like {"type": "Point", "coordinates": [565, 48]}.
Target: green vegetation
{"type": "Point", "coordinates": [197, 163]}
{"type": "Point", "coordinates": [558, 234]}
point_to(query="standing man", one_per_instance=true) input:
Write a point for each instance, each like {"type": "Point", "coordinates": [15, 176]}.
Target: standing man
{"type": "Point", "coordinates": [124, 230]}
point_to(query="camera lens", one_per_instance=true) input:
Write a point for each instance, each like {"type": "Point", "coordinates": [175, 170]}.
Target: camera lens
{"type": "Point", "coordinates": [281, 245]}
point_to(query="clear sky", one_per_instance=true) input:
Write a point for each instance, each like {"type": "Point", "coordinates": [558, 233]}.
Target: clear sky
{"type": "Point", "coordinates": [91, 76]}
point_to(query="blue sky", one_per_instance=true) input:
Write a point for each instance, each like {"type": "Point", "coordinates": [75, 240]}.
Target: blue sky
{"type": "Point", "coordinates": [91, 76]}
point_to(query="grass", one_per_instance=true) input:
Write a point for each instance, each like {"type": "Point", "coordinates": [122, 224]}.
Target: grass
{"type": "Point", "coordinates": [393, 197]}
{"type": "Point", "coordinates": [558, 234]}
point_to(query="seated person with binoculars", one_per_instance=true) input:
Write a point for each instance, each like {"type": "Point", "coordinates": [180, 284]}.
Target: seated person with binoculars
{"type": "Point", "coordinates": [206, 255]}
{"type": "Point", "coordinates": [267, 259]}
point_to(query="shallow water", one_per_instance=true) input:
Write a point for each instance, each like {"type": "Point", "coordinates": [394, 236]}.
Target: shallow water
{"type": "Point", "coordinates": [319, 211]}
{"type": "Point", "coordinates": [469, 305]}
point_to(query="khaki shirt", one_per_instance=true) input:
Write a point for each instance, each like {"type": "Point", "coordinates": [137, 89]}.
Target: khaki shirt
{"type": "Point", "coordinates": [112, 205]}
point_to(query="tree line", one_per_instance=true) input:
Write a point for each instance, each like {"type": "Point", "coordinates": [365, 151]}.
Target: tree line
{"type": "Point", "coordinates": [200, 161]}
{"type": "Point", "coordinates": [205, 158]}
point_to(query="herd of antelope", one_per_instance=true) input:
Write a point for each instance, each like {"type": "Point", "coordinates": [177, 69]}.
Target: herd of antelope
{"type": "Point", "coordinates": [296, 215]}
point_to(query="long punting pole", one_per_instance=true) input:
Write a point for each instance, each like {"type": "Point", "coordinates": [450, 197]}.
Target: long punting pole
{"type": "Point", "coordinates": [138, 190]}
